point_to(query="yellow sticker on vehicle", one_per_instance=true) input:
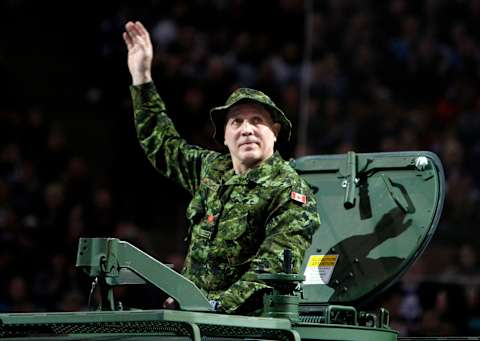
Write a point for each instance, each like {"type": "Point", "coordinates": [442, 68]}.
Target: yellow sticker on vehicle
{"type": "Point", "coordinates": [319, 269]}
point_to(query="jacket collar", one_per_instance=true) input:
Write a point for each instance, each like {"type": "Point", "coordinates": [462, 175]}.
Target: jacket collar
{"type": "Point", "coordinates": [262, 174]}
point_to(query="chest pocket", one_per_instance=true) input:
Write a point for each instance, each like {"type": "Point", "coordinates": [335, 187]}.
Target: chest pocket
{"type": "Point", "coordinates": [201, 200]}
{"type": "Point", "coordinates": [236, 240]}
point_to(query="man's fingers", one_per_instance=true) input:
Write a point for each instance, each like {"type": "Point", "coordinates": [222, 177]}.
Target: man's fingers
{"type": "Point", "coordinates": [128, 40]}
{"type": "Point", "coordinates": [136, 29]}
{"type": "Point", "coordinates": [130, 28]}
{"type": "Point", "coordinates": [142, 28]}
{"type": "Point", "coordinates": [143, 33]}
{"type": "Point", "coordinates": [136, 34]}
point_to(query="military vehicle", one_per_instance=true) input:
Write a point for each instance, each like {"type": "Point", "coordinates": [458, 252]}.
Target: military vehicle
{"type": "Point", "coordinates": [378, 212]}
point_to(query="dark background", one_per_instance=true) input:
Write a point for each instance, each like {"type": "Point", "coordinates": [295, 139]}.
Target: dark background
{"type": "Point", "coordinates": [385, 76]}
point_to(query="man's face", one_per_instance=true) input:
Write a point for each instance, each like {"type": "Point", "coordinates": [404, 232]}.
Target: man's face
{"type": "Point", "coordinates": [250, 135]}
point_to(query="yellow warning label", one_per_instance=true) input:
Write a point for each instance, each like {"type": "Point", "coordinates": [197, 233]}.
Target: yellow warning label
{"type": "Point", "coordinates": [322, 260]}
{"type": "Point", "coordinates": [319, 269]}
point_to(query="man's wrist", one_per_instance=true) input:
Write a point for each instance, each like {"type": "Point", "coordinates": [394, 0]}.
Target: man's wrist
{"type": "Point", "coordinates": [141, 79]}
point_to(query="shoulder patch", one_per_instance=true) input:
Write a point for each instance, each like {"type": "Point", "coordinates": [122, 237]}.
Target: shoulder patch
{"type": "Point", "coordinates": [298, 197]}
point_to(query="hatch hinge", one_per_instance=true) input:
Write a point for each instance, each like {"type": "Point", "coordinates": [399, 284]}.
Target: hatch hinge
{"type": "Point", "coordinates": [350, 180]}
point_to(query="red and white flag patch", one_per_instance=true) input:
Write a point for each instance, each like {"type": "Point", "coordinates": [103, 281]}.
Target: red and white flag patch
{"type": "Point", "coordinates": [299, 197]}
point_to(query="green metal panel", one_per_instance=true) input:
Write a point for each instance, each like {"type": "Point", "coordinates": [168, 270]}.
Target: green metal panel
{"type": "Point", "coordinates": [120, 263]}
{"type": "Point", "coordinates": [164, 324]}
{"type": "Point", "coordinates": [175, 325]}
{"type": "Point", "coordinates": [344, 333]}
{"type": "Point", "coordinates": [378, 213]}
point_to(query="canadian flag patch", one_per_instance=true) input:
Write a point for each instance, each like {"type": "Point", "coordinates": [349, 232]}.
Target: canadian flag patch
{"type": "Point", "coordinates": [299, 197]}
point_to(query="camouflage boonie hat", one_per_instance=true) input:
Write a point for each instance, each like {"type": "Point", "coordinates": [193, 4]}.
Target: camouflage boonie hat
{"type": "Point", "coordinates": [217, 114]}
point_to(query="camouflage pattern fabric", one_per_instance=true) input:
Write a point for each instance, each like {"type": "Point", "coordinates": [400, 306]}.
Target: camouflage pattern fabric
{"type": "Point", "coordinates": [239, 224]}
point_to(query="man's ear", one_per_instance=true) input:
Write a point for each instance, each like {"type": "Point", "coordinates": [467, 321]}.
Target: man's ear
{"type": "Point", "coordinates": [276, 129]}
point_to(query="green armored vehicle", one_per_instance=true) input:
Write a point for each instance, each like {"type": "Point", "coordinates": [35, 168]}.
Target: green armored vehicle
{"type": "Point", "coordinates": [378, 211]}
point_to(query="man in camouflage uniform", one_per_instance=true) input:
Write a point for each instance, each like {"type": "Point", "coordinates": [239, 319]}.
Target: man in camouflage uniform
{"type": "Point", "coordinates": [247, 206]}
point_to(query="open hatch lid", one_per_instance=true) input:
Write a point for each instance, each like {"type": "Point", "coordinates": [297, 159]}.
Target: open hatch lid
{"type": "Point", "coordinates": [378, 212]}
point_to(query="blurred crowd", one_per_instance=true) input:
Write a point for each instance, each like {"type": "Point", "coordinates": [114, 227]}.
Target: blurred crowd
{"type": "Point", "coordinates": [375, 76]}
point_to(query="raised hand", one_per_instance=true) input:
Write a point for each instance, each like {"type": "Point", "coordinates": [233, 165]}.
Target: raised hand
{"type": "Point", "coordinates": [140, 52]}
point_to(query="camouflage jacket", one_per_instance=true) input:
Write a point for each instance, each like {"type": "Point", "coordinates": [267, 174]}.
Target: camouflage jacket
{"type": "Point", "coordinates": [239, 224]}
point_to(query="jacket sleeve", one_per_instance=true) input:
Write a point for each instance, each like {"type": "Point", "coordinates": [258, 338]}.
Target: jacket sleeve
{"type": "Point", "coordinates": [290, 225]}
{"type": "Point", "coordinates": [170, 154]}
